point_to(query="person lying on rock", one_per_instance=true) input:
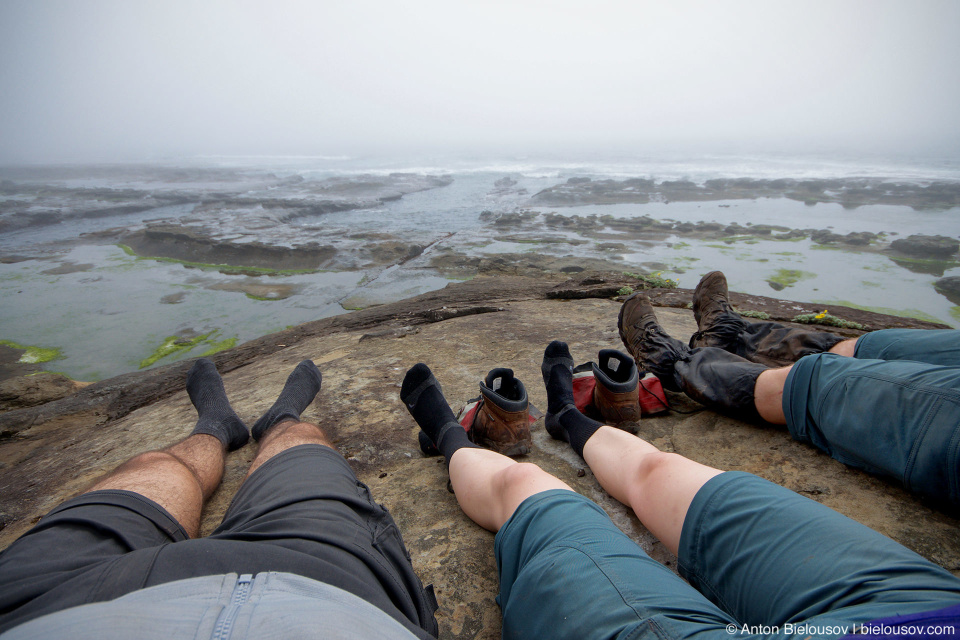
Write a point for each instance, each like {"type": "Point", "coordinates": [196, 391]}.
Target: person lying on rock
{"type": "Point", "coordinates": [760, 560]}
{"type": "Point", "coordinates": [887, 402]}
{"type": "Point", "coordinates": [303, 550]}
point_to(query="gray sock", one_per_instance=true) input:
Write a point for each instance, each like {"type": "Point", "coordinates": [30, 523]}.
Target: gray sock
{"type": "Point", "coordinates": [216, 417]}
{"type": "Point", "coordinates": [301, 388]}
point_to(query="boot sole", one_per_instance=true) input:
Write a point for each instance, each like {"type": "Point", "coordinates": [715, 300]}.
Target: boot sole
{"type": "Point", "coordinates": [518, 448]}
{"type": "Point", "coordinates": [623, 338]}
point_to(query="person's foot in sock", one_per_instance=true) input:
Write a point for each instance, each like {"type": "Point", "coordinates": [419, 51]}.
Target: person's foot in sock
{"type": "Point", "coordinates": [301, 388]}
{"type": "Point", "coordinates": [216, 417]}
{"type": "Point", "coordinates": [422, 396]}
{"type": "Point", "coordinates": [564, 421]}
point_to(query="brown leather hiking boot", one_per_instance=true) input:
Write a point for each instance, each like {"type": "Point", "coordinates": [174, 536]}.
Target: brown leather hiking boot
{"type": "Point", "coordinates": [651, 347]}
{"type": "Point", "coordinates": [768, 343]}
{"type": "Point", "coordinates": [718, 325]}
{"type": "Point", "coordinates": [502, 422]}
{"type": "Point", "coordinates": [615, 394]}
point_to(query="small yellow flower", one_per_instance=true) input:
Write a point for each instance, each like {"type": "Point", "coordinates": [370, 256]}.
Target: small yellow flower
{"type": "Point", "coordinates": [821, 315]}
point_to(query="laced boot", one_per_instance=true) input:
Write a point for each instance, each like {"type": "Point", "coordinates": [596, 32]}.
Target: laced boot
{"type": "Point", "coordinates": [713, 377]}
{"type": "Point", "coordinates": [768, 343]}
{"type": "Point", "coordinates": [502, 422]}
{"type": "Point", "coordinates": [721, 381]}
{"type": "Point", "coordinates": [651, 347]}
{"type": "Point", "coordinates": [615, 394]}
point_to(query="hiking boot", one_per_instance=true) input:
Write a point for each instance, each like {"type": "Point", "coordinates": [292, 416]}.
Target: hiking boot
{"type": "Point", "coordinates": [717, 323]}
{"type": "Point", "coordinates": [651, 347]}
{"type": "Point", "coordinates": [769, 343]}
{"type": "Point", "coordinates": [502, 422]}
{"type": "Point", "coordinates": [615, 394]}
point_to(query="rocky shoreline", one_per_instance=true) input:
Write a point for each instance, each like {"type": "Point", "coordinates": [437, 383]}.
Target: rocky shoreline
{"type": "Point", "coordinates": [114, 398]}
{"type": "Point", "coordinates": [850, 192]}
{"type": "Point", "coordinates": [45, 196]}
{"type": "Point", "coordinates": [345, 243]}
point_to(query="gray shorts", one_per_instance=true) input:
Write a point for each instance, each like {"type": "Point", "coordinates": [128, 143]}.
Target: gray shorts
{"type": "Point", "coordinates": [302, 512]}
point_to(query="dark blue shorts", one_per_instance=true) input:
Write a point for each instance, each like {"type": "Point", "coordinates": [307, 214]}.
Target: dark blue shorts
{"type": "Point", "coordinates": [754, 553]}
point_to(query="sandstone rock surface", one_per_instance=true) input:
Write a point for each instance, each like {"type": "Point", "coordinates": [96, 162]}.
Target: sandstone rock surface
{"type": "Point", "coordinates": [52, 452]}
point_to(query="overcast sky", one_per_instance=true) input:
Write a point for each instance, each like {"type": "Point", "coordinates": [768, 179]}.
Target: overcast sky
{"type": "Point", "coordinates": [128, 80]}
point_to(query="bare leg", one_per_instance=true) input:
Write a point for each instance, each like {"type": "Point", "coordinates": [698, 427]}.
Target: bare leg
{"type": "Point", "coordinates": [845, 348]}
{"type": "Point", "coordinates": [179, 478]}
{"type": "Point", "coordinates": [768, 394]}
{"type": "Point", "coordinates": [490, 486]}
{"type": "Point", "coordinates": [658, 486]}
{"type": "Point", "coordinates": [287, 434]}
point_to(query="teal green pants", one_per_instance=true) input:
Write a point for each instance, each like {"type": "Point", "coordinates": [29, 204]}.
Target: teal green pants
{"type": "Point", "coordinates": [893, 409]}
{"type": "Point", "coordinates": [761, 561]}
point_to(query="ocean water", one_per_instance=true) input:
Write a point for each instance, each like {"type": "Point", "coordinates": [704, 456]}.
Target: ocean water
{"type": "Point", "coordinates": [112, 311]}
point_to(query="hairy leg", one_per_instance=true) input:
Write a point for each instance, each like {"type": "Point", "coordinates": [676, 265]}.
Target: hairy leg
{"type": "Point", "coordinates": [179, 478]}
{"type": "Point", "coordinates": [287, 434]}
{"type": "Point", "coordinates": [490, 486]}
{"type": "Point", "coordinates": [658, 486]}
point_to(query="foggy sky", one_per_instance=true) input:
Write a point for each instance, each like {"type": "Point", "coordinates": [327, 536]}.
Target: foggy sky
{"type": "Point", "coordinates": [104, 80]}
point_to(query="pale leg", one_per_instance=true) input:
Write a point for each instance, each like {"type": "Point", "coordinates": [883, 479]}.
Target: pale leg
{"type": "Point", "coordinates": [490, 486]}
{"type": "Point", "coordinates": [658, 486]}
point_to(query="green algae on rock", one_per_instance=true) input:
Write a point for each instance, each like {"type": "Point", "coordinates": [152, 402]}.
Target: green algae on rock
{"type": "Point", "coordinates": [889, 311]}
{"type": "Point", "coordinates": [750, 313]}
{"type": "Point", "coordinates": [216, 347]}
{"type": "Point", "coordinates": [784, 278]}
{"type": "Point", "coordinates": [33, 354]}
{"type": "Point", "coordinates": [223, 268]}
{"type": "Point", "coordinates": [826, 319]}
{"type": "Point", "coordinates": [172, 345]}
{"type": "Point", "coordinates": [178, 344]}
{"type": "Point", "coordinates": [654, 280]}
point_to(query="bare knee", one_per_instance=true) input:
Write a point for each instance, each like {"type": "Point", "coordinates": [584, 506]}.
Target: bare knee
{"type": "Point", "coordinates": [653, 467]}
{"type": "Point", "coordinates": [150, 469]}
{"type": "Point", "coordinates": [517, 476]}
{"type": "Point", "coordinates": [845, 348]}
{"type": "Point", "coordinates": [151, 459]}
{"type": "Point", "coordinates": [290, 434]}
{"type": "Point", "coordinates": [514, 484]}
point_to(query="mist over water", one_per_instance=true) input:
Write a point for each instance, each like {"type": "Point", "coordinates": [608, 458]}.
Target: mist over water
{"type": "Point", "coordinates": [114, 81]}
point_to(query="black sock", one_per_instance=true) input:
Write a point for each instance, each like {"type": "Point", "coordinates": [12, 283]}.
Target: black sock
{"type": "Point", "coordinates": [216, 417]}
{"type": "Point", "coordinates": [301, 388]}
{"type": "Point", "coordinates": [557, 370]}
{"type": "Point", "coordinates": [423, 397]}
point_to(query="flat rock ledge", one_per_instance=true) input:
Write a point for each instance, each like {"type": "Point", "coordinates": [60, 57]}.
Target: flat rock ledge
{"type": "Point", "coordinates": [55, 450]}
